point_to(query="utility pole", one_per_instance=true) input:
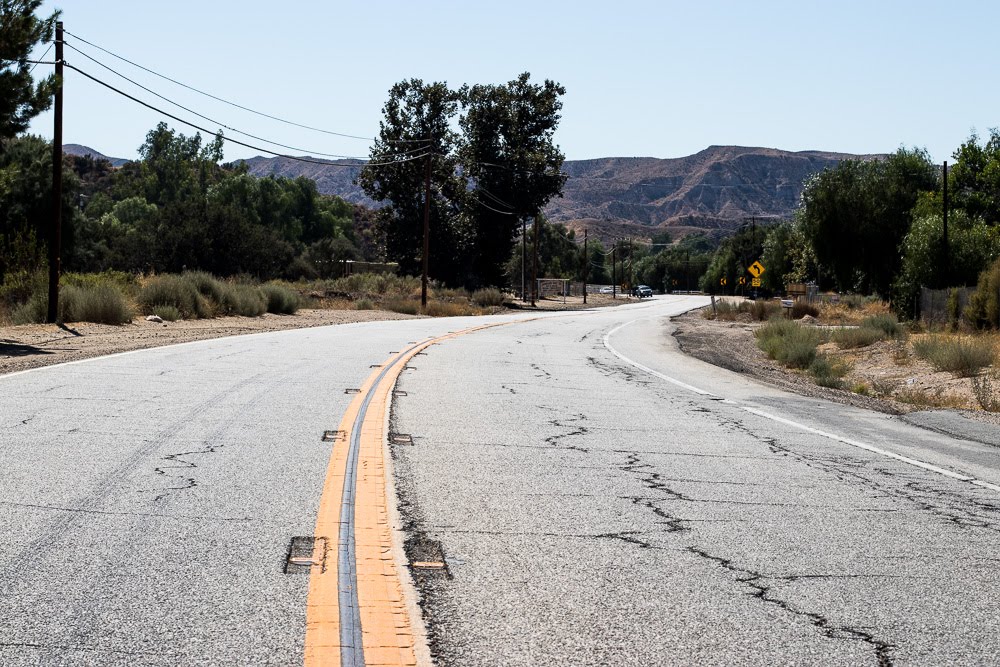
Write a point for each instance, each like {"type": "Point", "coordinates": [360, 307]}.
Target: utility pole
{"type": "Point", "coordinates": [946, 264]}
{"type": "Point", "coordinates": [586, 266]}
{"type": "Point", "coordinates": [614, 278]}
{"type": "Point", "coordinates": [427, 224]}
{"type": "Point", "coordinates": [534, 261]}
{"type": "Point", "coordinates": [524, 257]}
{"type": "Point", "coordinates": [631, 265]}
{"type": "Point", "coordinates": [55, 241]}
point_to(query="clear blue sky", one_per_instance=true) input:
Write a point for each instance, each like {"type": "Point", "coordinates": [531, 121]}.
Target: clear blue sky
{"type": "Point", "coordinates": [661, 79]}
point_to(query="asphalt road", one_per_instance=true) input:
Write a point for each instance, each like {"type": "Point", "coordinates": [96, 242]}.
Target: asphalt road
{"type": "Point", "coordinates": [599, 499]}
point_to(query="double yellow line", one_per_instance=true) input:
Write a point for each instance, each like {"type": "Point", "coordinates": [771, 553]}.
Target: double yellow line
{"type": "Point", "coordinates": [356, 612]}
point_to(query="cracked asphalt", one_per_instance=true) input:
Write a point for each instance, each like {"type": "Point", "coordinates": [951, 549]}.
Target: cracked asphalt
{"type": "Point", "coordinates": [589, 512]}
{"type": "Point", "coordinates": [592, 513]}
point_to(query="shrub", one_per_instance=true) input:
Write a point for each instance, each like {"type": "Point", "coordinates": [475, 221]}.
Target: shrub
{"type": "Point", "coordinates": [887, 323]}
{"type": "Point", "coordinates": [762, 310]}
{"type": "Point", "coordinates": [207, 285]}
{"type": "Point", "coordinates": [280, 299]}
{"type": "Point", "coordinates": [102, 304]}
{"type": "Point", "coordinates": [827, 372]}
{"type": "Point", "coordinates": [245, 300]}
{"type": "Point", "coordinates": [364, 304]}
{"type": "Point", "coordinates": [985, 393]}
{"type": "Point", "coordinates": [124, 282]}
{"type": "Point", "coordinates": [983, 310]}
{"type": "Point", "coordinates": [802, 308]}
{"type": "Point", "coordinates": [167, 313]}
{"type": "Point", "coordinates": [405, 306]}
{"type": "Point", "coordinates": [857, 337]}
{"type": "Point", "coordinates": [448, 309]}
{"type": "Point", "coordinates": [963, 357]}
{"type": "Point", "coordinates": [489, 297]}
{"type": "Point", "coordinates": [788, 343]}
{"type": "Point", "coordinates": [173, 291]}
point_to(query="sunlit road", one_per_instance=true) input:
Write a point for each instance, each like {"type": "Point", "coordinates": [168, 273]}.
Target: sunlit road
{"type": "Point", "coordinates": [598, 498]}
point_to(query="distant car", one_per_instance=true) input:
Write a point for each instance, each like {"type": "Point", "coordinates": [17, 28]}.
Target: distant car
{"type": "Point", "coordinates": [606, 290]}
{"type": "Point", "coordinates": [642, 291]}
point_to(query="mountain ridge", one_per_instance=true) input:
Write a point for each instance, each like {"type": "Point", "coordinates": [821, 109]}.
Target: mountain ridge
{"type": "Point", "coordinates": [715, 188]}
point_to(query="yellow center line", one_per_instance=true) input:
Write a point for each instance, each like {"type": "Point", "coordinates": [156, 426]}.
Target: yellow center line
{"type": "Point", "coordinates": [387, 631]}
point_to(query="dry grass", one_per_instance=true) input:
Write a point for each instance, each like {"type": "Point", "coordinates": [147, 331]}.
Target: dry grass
{"type": "Point", "coordinates": [846, 312]}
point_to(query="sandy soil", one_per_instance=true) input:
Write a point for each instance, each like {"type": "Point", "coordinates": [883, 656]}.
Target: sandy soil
{"type": "Point", "coordinates": [886, 376]}
{"type": "Point", "coordinates": [34, 345]}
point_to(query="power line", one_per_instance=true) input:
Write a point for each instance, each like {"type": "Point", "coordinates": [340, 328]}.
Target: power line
{"type": "Point", "coordinates": [236, 141]}
{"type": "Point", "coordinates": [476, 199]}
{"type": "Point", "coordinates": [41, 59]}
{"type": "Point", "coordinates": [212, 120]}
{"type": "Point", "coordinates": [234, 104]}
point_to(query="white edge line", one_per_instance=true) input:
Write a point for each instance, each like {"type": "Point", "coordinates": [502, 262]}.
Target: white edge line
{"type": "Point", "coordinates": [612, 350]}
{"type": "Point", "coordinates": [876, 450]}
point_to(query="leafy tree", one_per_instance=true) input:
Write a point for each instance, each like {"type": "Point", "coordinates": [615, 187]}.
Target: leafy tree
{"type": "Point", "coordinates": [974, 180]}
{"type": "Point", "coordinates": [418, 119]}
{"type": "Point", "coordinates": [731, 259]}
{"type": "Point", "coordinates": [26, 203]}
{"type": "Point", "coordinates": [21, 99]}
{"type": "Point", "coordinates": [559, 255]}
{"type": "Point", "coordinates": [513, 166]}
{"type": "Point", "coordinates": [856, 215]}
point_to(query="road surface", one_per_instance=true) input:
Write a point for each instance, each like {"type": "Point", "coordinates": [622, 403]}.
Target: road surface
{"type": "Point", "coordinates": [595, 498]}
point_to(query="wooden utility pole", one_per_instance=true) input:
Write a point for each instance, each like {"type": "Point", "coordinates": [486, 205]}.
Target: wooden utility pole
{"type": "Point", "coordinates": [534, 261]}
{"type": "Point", "coordinates": [586, 265]}
{"type": "Point", "coordinates": [524, 258]}
{"type": "Point", "coordinates": [55, 238]}
{"type": "Point", "coordinates": [945, 265]}
{"type": "Point", "coordinates": [614, 279]}
{"type": "Point", "coordinates": [427, 225]}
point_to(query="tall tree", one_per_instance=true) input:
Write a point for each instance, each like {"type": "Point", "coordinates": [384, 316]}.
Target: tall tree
{"type": "Point", "coordinates": [857, 214]}
{"type": "Point", "coordinates": [417, 127]}
{"type": "Point", "coordinates": [21, 99]}
{"type": "Point", "coordinates": [513, 165]}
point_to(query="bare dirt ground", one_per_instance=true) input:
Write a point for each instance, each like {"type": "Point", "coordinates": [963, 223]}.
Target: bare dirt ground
{"type": "Point", "coordinates": [886, 376]}
{"type": "Point", "coordinates": [34, 345]}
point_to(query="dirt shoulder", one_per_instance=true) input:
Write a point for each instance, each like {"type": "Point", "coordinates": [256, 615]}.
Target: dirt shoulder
{"type": "Point", "coordinates": [35, 345]}
{"type": "Point", "coordinates": [885, 377]}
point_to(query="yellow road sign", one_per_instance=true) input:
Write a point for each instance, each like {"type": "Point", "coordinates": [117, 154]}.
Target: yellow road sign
{"type": "Point", "coordinates": [755, 282]}
{"type": "Point", "coordinates": [722, 281]}
{"type": "Point", "coordinates": [756, 269]}
{"type": "Point", "coordinates": [742, 280]}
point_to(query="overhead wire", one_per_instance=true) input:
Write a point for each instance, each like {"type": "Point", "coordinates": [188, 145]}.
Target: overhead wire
{"type": "Point", "coordinates": [236, 141]}
{"type": "Point", "coordinates": [41, 59]}
{"type": "Point", "coordinates": [212, 120]}
{"type": "Point", "coordinates": [234, 104]}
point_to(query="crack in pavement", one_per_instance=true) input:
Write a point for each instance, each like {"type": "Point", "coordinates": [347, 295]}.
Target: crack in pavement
{"type": "Point", "coordinates": [761, 591]}
{"type": "Point", "coordinates": [78, 647]}
{"type": "Point", "coordinates": [552, 440]}
{"type": "Point", "coordinates": [80, 510]}
{"type": "Point", "coordinates": [188, 482]}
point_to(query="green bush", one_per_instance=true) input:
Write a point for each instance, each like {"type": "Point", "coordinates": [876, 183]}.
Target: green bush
{"type": "Point", "coordinates": [487, 298]}
{"type": "Point", "coordinates": [176, 291]}
{"type": "Point", "coordinates": [448, 309]}
{"type": "Point", "coordinates": [102, 304]}
{"type": "Point", "coordinates": [828, 373]}
{"type": "Point", "coordinates": [887, 323]}
{"type": "Point", "coordinates": [802, 308]}
{"type": "Point", "coordinates": [245, 300]}
{"type": "Point", "coordinates": [788, 342]}
{"type": "Point", "coordinates": [983, 310]}
{"type": "Point", "coordinates": [364, 304]}
{"type": "Point", "coordinates": [853, 337]}
{"type": "Point", "coordinates": [964, 357]}
{"type": "Point", "coordinates": [207, 285]}
{"type": "Point", "coordinates": [280, 299]}
{"type": "Point", "coordinates": [405, 306]}
{"type": "Point", "coordinates": [167, 313]}
{"type": "Point", "coordinates": [124, 282]}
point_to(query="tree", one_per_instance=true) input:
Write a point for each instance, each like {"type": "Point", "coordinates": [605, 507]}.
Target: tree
{"type": "Point", "coordinates": [857, 214]}
{"type": "Point", "coordinates": [416, 128]}
{"type": "Point", "coordinates": [974, 180]}
{"type": "Point", "coordinates": [21, 99]}
{"type": "Point", "coordinates": [513, 166]}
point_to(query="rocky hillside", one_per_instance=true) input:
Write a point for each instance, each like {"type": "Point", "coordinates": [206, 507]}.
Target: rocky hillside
{"type": "Point", "coordinates": [716, 188]}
